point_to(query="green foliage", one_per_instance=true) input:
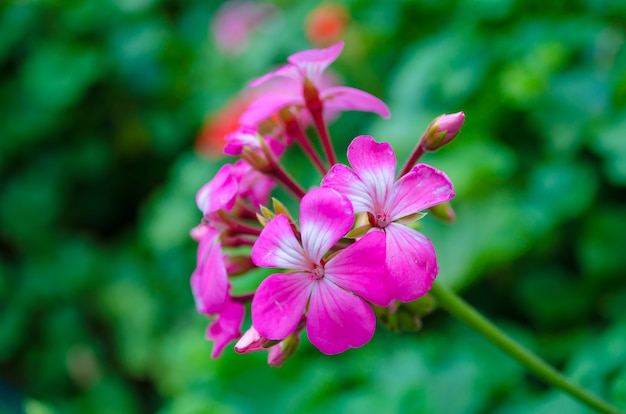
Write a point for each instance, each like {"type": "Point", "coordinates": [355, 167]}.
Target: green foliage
{"type": "Point", "coordinates": [102, 102]}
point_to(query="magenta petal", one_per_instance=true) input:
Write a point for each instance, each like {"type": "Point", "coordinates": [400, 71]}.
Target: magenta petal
{"type": "Point", "coordinates": [375, 163]}
{"type": "Point", "coordinates": [278, 304]}
{"type": "Point", "coordinates": [288, 71]}
{"type": "Point", "coordinates": [325, 217]}
{"type": "Point", "coordinates": [278, 247]}
{"type": "Point", "coordinates": [361, 268]}
{"type": "Point", "coordinates": [312, 63]}
{"type": "Point", "coordinates": [226, 328]}
{"type": "Point", "coordinates": [411, 261]}
{"type": "Point", "coordinates": [209, 282]}
{"type": "Point", "coordinates": [338, 320]}
{"type": "Point", "coordinates": [265, 106]}
{"type": "Point", "coordinates": [421, 188]}
{"type": "Point", "coordinates": [344, 98]}
{"type": "Point", "coordinates": [348, 183]}
{"type": "Point", "coordinates": [219, 193]}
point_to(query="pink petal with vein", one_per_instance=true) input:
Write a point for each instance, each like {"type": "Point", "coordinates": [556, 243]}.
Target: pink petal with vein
{"type": "Point", "coordinates": [375, 163]}
{"type": "Point", "coordinates": [338, 320]}
{"type": "Point", "coordinates": [209, 282]}
{"type": "Point", "coordinates": [347, 182]}
{"type": "Point", "coordinates": [279, 302]}
{"type": "Point", "coordinates": [344, 98]}
{"type": "Point", "coordinates": [325, 217]}
{"type": "Point", "coordinates": [278, 247]}
{"type": "Point", "coordinates": [421, 188]}
{"type": "Point", "coordinates": [219, 193]}
{"type": "Point", "coordinates": [411, 261]}
{"type": "Point", "coordinates": [361, 268]}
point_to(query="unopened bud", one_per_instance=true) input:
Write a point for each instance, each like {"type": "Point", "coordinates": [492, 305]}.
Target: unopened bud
{"type": "Point", "coordinates": [442, 130]}
{"type": "Point", "coordinates": [283, 350]}
{"type": "Point", "coordinates": [256, 160]}
{"type": "Point", "coordinates": [252, 341]}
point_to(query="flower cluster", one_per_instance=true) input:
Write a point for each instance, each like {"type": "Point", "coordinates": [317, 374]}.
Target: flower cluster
{"type": "Point", "coordinates": [354, 246]}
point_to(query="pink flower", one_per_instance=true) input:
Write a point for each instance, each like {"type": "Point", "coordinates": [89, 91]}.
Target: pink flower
{"type": "Point", "coordinates": [233, 181]}
{"type": "Point", "coordinates": [326, 288]}
{"type": "Point", "coordinates": [371, 187]}
{"type": "Point", "coordinates": [227, 326]}
{"type": "Point", "coordinates": [305, 73]}
{"type": "Point", "coordinates": [235, 21]}
{"type": "Point", "coordinates": [209, 281]}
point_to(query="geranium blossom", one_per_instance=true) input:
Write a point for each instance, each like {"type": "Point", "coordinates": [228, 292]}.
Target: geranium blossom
{"type": "Point", "coordinates": [307, 68]}
{"type": "Point", "coordinates": [324, 288]}
{"type": "Point", "coordinates": [233, 181]}
{"type": "Point", "coordinates": [371, 187]}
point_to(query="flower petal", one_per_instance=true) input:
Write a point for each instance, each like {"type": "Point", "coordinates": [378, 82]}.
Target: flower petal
{"type": "Point", "coordinates": [338, 320]}
{"type": "Point", "coordinates": [209, 282]}
{"type": "Point", "coordinates": [265, 106]}
{"type": "Point", "coordinates": [411, 261]}
{"type": "Point", "coordinates": [312, 63]}
{"type": "Point", "coordinates": [219, 193]}
{"type": "Point", "coordinates": [361, 268]}
{"type": "Point", "coordinates": [278, 304]}
{"type": "Point", "coordinates": [344, 98]}
{"type": "Point", "coordinates": [287, 71]}
{"type": "Point", "coordinates": [347, 182]}
{"type": "Point", "coordinates": [375, 163]}
{"type": "Point", "coordinates": [325, 217]}
{"type": "Point", "coordinates": [421, 188]}
{"type": "Point", "coordinates": [226, 328]}
{"type": "Point", "coordinates": [278, 247]}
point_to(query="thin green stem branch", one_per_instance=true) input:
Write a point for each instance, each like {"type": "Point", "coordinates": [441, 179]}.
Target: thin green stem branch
{"type": "Point", "coordinates": [450, 301]}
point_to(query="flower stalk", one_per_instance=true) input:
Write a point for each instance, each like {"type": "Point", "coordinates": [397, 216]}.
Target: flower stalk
{"type": "Point", "coordinates": [449, 300]}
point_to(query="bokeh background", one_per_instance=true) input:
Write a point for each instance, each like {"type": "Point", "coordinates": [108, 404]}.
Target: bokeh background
{"type": "Point", "coordinates": [112, 116]}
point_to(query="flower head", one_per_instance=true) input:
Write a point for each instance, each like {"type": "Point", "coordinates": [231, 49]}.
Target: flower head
{"type": "Point", "coordinates": [306, 84]}
{"type": "Point", "coordinates": [324, 288]}
{"type": "Point", "coordinates": [233, 182]}
{"type": "Point", "coordinates": [371, 187]}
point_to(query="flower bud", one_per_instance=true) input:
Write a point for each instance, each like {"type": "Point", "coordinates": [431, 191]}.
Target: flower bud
{"type": "Point", "coordinates": [251, 341]}
{"type": "Point", "coordinates": [283, 350]}
{"type": "Point", "coordinates": [442, 130]}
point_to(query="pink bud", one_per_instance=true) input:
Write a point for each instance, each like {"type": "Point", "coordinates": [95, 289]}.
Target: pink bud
{"type": "Point", "coordinates": [442, 130]}
{"type": "Point", "coordinates": [283, 350]}
{"type": "Point", "coordinates": [251, 341]}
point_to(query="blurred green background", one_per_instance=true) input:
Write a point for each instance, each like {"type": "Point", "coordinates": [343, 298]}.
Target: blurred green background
{"type": "Point", "coordinates": [110, 111]}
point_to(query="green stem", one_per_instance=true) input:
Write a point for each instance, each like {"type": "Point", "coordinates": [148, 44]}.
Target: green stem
{"type": "Point", "coordinates": [450, 301]}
